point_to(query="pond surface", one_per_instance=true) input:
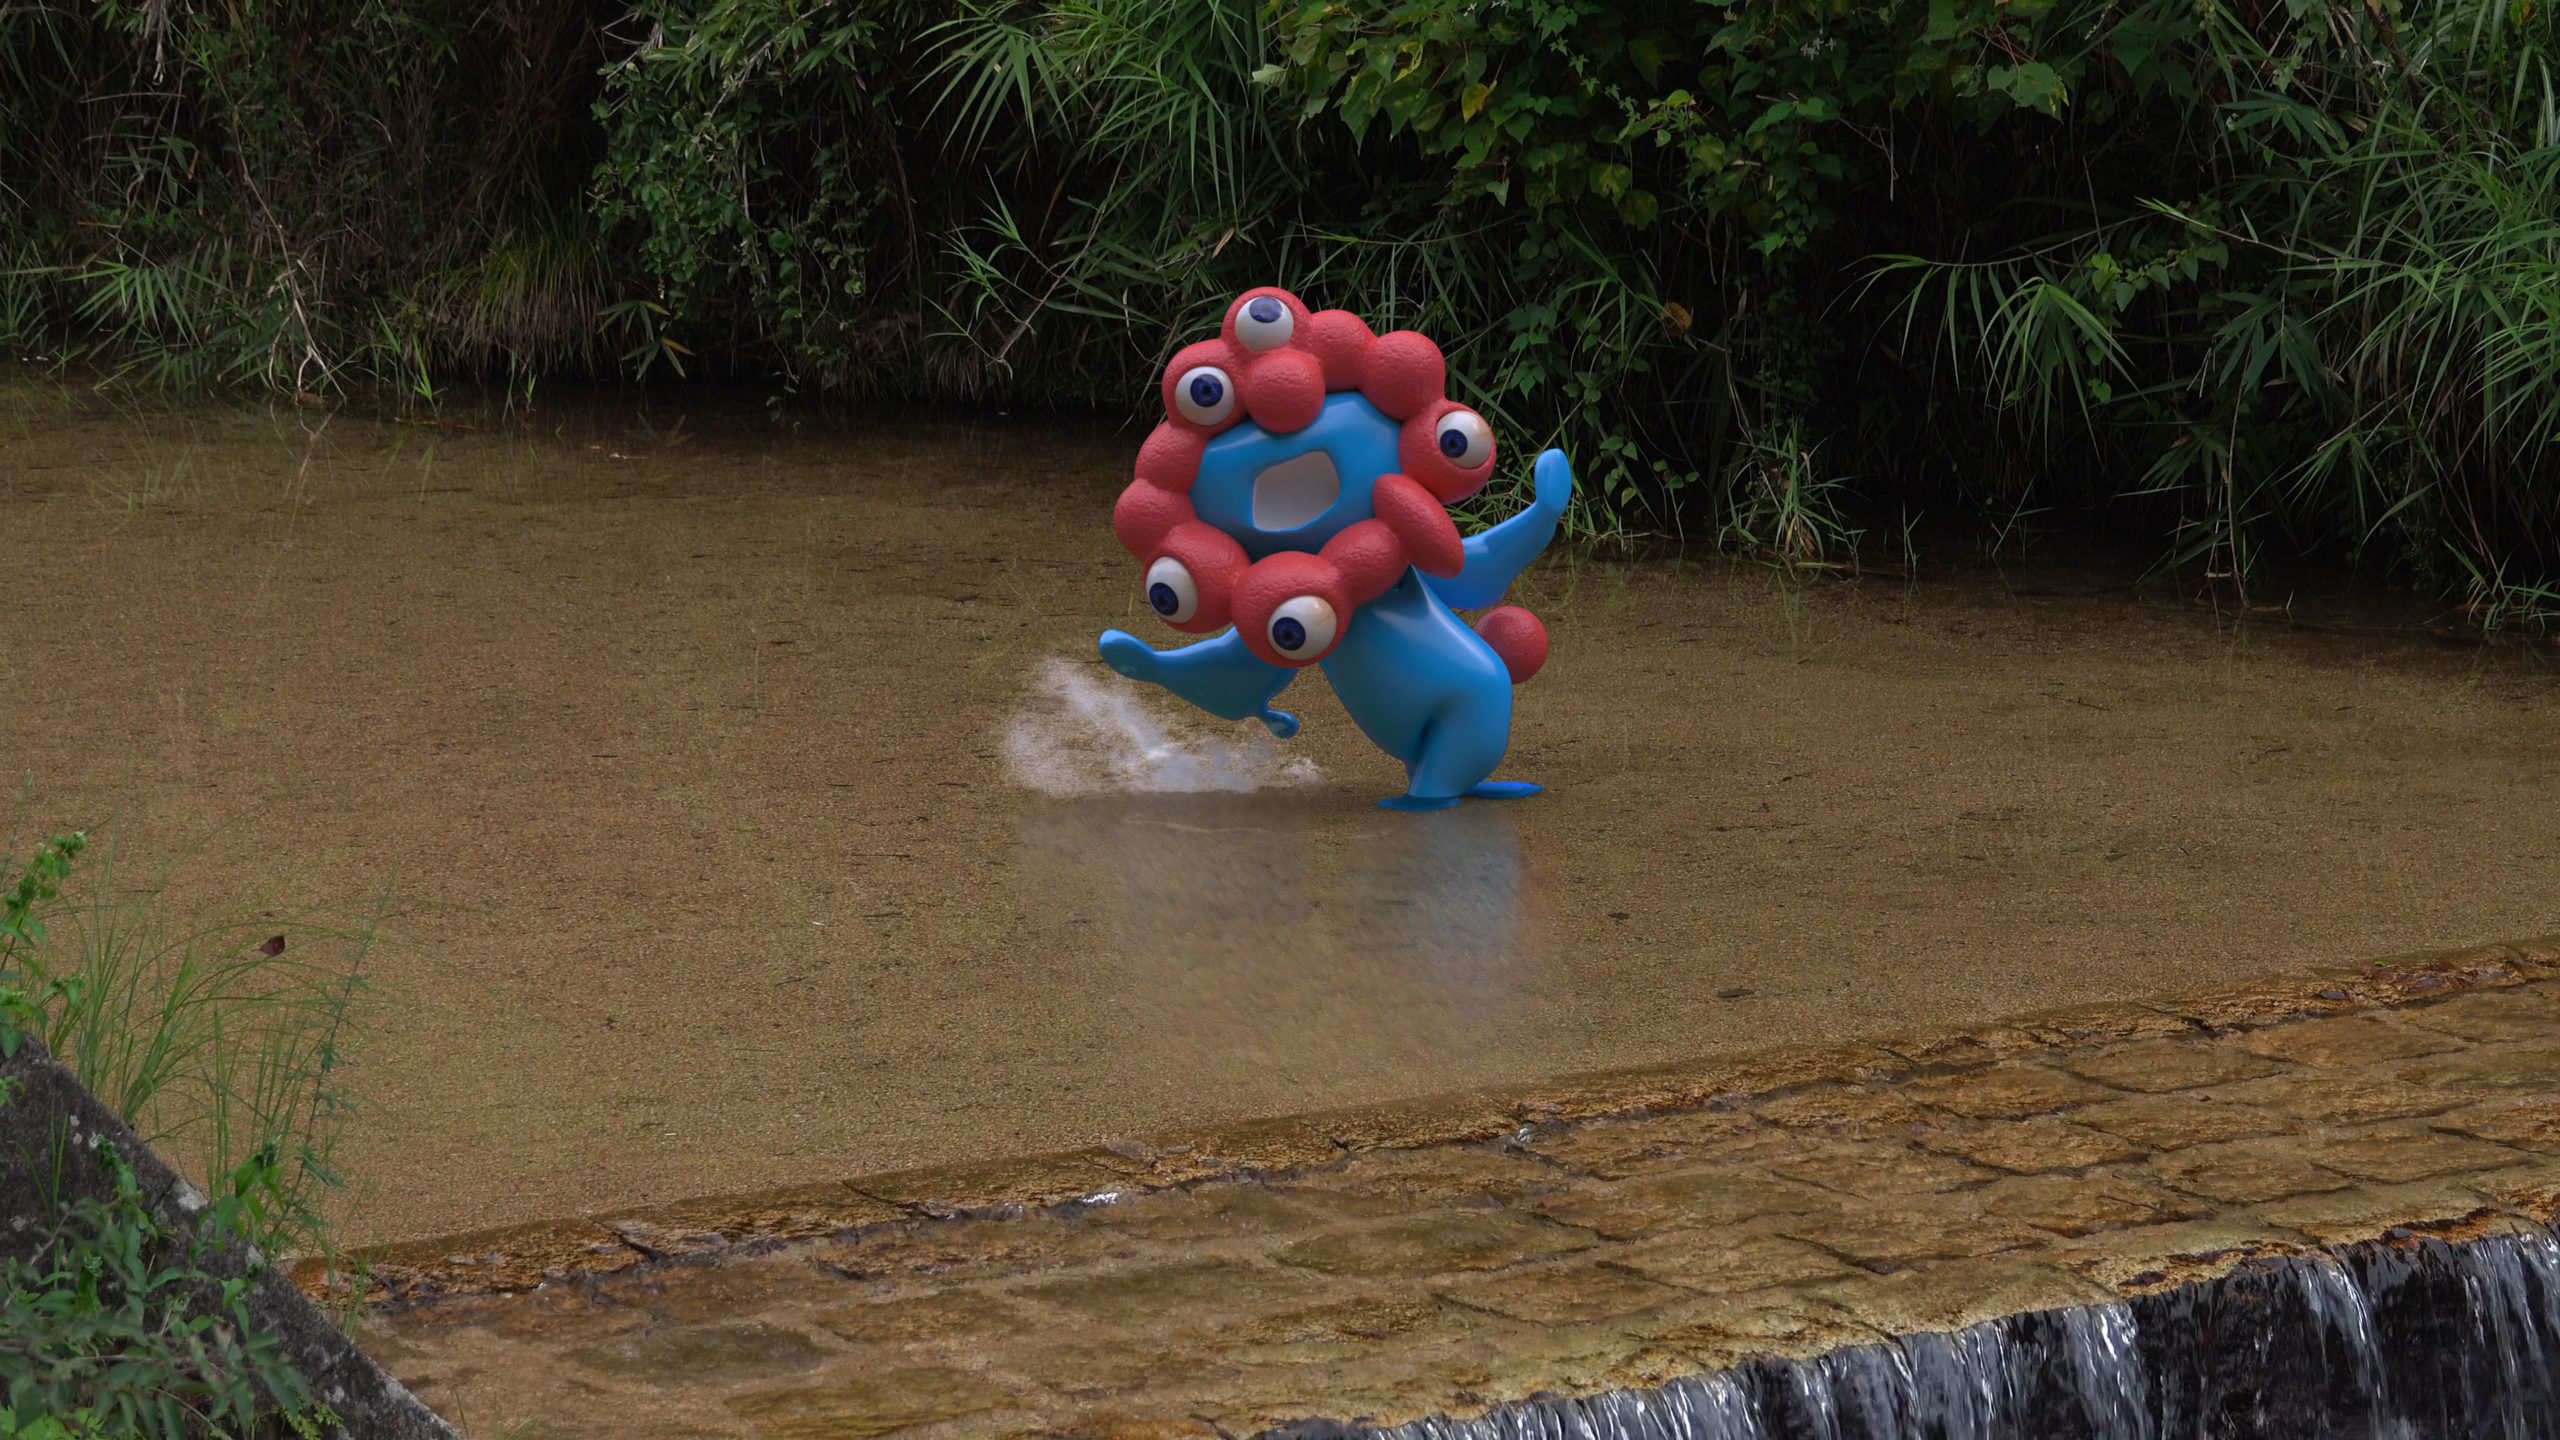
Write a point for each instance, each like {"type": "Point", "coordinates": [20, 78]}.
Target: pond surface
{"type": "Point", "coordinates": [721, 754]}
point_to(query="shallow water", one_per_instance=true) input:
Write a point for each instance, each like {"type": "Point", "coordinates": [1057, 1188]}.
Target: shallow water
{"type": "Point", "coordinates": [702, 742]}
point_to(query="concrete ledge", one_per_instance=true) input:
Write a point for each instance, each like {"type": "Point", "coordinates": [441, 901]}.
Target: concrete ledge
{"type": "Point", "coordinates": [521, 1257]}
{"type": "Point", "coordinates": [1599, 1236]}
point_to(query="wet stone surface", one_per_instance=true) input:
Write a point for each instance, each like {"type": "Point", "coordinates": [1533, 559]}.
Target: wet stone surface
{"type": "Point", "coordinates": [1584, 1236]}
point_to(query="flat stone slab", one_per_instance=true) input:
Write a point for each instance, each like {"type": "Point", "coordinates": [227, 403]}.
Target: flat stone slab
{"type": "Point", "coordinates": [1577, 1237]}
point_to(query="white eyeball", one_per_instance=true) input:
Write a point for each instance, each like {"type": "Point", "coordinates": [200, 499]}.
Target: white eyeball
{"type": "Point", "coordinates": [1170, 591]}
{"type": "Point", "coordinates": [1264, 323]}
{"type": "Point", "coordinates": [1204, 395]}
{"type": "Point", "coordinates": [1302, 626]}
{"type": "Point", "coordinates": [1465, 439]}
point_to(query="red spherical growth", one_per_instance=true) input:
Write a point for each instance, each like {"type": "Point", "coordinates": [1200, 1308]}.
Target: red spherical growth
{"type": "Point", "coordinates": [1254, 334]}
{"type": "Point", "coordinates": [1170, 460]}
{"type": "Point", "coordinates": [1284, 391]}
{"type": "Point", "coordinates": [1340, 342]}
{"type": "Point", "coordinates": [1370, 558]}
{"type": "Point", "coordinates": [1404, 373]}
{"type": "Point", "coordinates": [1422, 449]}
{"type": "Point", "coordinates": [1421, 525]}
{"type": "Point", "coordinates": [1215, 564]}
{"type": "Point", "coordinates": [1145, 513]}
{"type": "Point", "coordinates": [1517, 637]}
{"type": "Point", "coordinates": [1200, 387]}
{"type": "Point", "coordinates": [1271, 590]}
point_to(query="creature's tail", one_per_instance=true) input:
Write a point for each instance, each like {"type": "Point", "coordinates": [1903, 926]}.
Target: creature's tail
{"type": "Point", "coordinates": [1517, 637]}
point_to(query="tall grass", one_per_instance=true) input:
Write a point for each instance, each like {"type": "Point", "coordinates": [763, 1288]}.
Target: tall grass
{"type": "Point", "coordinates": [2339, 334]}
{"type": "Point", "coordinates": [221, 1032]}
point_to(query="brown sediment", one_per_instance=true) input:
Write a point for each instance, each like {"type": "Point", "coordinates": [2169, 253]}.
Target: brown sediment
{"type": "Point", "coordinates": [689, 736]}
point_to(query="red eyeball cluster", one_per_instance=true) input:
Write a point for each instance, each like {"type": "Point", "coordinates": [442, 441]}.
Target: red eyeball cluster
{"type": "Point", "coordinates": [1274, 361]}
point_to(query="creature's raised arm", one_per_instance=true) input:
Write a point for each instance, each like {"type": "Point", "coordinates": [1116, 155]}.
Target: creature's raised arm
{"type": "Point", "coordinates": [1497, 556]}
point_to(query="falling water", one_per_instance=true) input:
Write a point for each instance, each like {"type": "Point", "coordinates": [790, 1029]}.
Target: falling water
{"type": "Point", "coordinates": [1077, 733]}
{"type": "Point", "coordinates": [2420, 1341]}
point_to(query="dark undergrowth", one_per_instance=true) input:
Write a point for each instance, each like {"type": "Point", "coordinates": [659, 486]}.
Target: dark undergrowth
{"type": "Point", "coordinates": [2274, 280]}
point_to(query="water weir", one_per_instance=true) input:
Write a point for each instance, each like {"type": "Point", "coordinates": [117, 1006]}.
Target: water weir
{"type": "Point", "coordinates": [2389, 1341]}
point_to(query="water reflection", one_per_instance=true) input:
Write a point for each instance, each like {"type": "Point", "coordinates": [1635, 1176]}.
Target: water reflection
{"type": "Point", "coordinates": [1288, 934]}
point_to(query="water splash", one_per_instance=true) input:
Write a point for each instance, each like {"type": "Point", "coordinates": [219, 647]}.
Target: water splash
{"type": "Point", "coordinates": [2416, 1341]}
{"type": "Point", "coordinates": [1080, 733]}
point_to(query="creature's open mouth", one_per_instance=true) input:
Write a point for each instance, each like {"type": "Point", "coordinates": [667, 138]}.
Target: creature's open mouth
{"type": "Point", "coordinates": [1295, 491]}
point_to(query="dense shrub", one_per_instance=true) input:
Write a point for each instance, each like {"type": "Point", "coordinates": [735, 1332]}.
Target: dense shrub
{"type": "Point", "coordinates": [2236, 273]}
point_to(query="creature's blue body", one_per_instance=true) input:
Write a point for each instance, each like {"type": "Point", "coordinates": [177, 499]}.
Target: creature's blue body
{"type": "Point", "coordinates": [1420, 683]}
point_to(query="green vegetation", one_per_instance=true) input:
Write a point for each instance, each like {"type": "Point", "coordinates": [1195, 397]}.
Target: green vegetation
{"type": "Point", "coordinates": [2249, 279]}
{"type": "Point", "coordinates": [221, 1045]}
{"type": "Point", "coordinates": [220, 1033]}
{"type": "Point", "coordinates": [117, 1329]}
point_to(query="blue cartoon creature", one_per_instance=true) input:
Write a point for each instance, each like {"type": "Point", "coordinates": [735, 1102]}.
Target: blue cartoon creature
{"type": "Point", "coordinates": [1295, 499]}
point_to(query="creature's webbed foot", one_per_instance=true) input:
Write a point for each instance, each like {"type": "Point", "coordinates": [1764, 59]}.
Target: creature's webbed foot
{"type": "Point", "coordinates": [1482, 790]}
{"type": "Point", "coordinates": [1418, 802]}
{"type": "Point", "coordinates": [1220, 676]}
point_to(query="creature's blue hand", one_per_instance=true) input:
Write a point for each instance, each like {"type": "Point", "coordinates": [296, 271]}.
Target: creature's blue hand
{"type": "Point", "coordinates": [1496, 557]}
{"type": "Point", "coordinates": [1219, 675]}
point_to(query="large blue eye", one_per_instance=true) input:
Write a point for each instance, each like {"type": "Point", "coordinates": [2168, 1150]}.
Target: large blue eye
{"type": "Point", "coordinates": [1464, 438]}
{"type": "Point", "coordinates": [1161, 596]}
{"type": "Point", "coordinates": [1288, 634]}
{"type": "Point", "coordinates": [1264, 323]}
{"type": "Point", "coordinates": [1204, 395]}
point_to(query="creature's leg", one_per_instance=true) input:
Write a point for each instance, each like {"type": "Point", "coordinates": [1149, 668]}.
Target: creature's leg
{"type": "Point", "coordinates": [1497, 556]}
{"type": "Point", "coordinates": [1218, 675]}
{"type": "Point", "coordinates": [1457, 750]}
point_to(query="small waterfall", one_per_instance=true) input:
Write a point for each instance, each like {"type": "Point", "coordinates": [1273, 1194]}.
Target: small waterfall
{"type": "Point", "coordinates": [2415, 1341]}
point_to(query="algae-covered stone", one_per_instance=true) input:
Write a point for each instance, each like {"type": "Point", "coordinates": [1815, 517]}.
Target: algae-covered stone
{"type": "Point", "coordinates": [1178, 1296]}
{"type": "Point", "coordinates": [2174, 1122]}
{"type": "Point", "coordinates": [2344, 1097]}
{"type": "Point", "coordinates": [1435, 1242]}
{"type": "Point", "coordinates": [2534, 1126]}
{"type": "Point", "coordinates": [940, 1315]}
{"type": "Point", "coordinates": [1878, 1170]}
{"type": "Point", "coordinates": [1885, 1237]}
{"type": "Point", "coordinates": [1616, 1149]}
{"type": "Point", "coordinates": [2079, 1204]}
{"type": "Point", "coordinates": [2008, 1092]}
{"type": "Point", "coordinates": [870, 1405]}
{"type": "Point", "coordinates": [1719, 1261]}
{"type": "Point", "coordinates": [2354, 1040]}
{"type": "Point", "coordinates": [1628, 1208]}
{"type": "Point", "coordinates": [2030, 1147]}
{"type": "Point", "coordinates": [1952, 1294]}
{"type": "Point", "coordinates": [2492, 1015]}
{"type": "Point", "coordinates": [2163, 1065]}
{"type": "Point", "coordinates": [1849, 1112]}
{"type": "Point", "coordinates": [1563, 1294]}
{"type": "Point", "coordinates": [704, 1354]}
{"type": "Point", "coordinates": [2246, 1172]}
{"type": "Point", "coordinates": [2395, 1156]}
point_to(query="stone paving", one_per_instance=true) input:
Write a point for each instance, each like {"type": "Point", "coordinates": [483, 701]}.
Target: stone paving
{"type": "Point", "coordinates": [1449, 1255]}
